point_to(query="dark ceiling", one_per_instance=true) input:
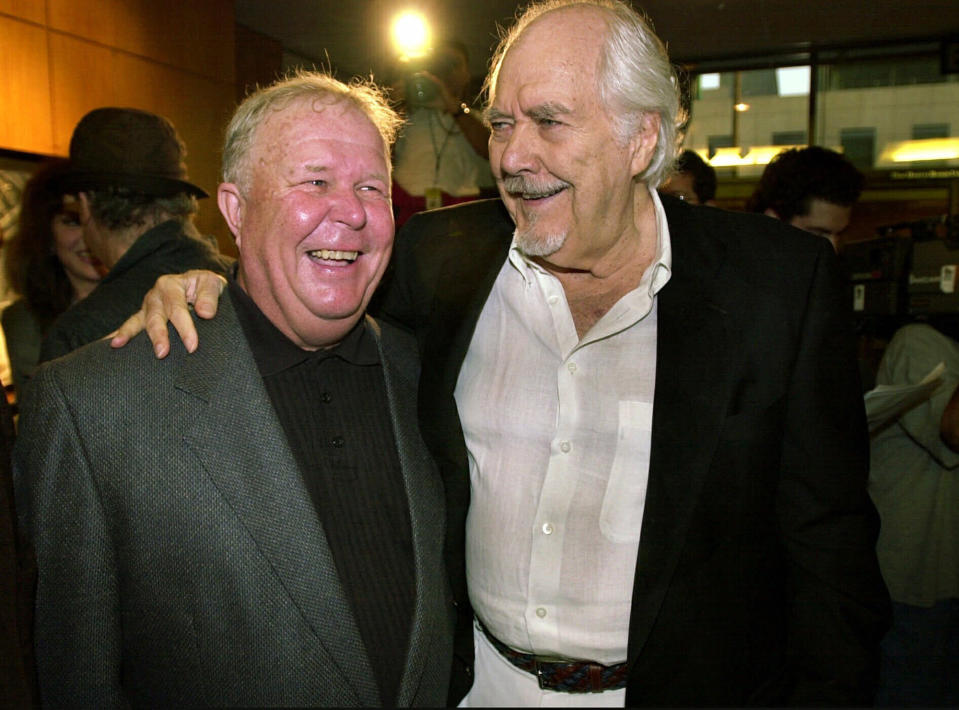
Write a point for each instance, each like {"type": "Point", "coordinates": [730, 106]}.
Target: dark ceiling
{"type": "Point", "coordinates": [352, 35]}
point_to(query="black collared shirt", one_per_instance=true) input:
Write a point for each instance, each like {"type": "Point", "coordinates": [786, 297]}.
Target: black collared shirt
{"type": "Point", "coordinates": [333, 407]}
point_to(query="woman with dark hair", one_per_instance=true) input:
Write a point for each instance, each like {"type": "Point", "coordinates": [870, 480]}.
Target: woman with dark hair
{"type": "Point", "coordinates": [47, 263]}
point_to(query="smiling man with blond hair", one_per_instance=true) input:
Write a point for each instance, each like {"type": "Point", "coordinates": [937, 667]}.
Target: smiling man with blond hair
{"type": "Point", "coordinates": [259, 524]}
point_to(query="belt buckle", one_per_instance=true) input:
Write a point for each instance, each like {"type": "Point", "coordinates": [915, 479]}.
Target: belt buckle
{"type": "Point", "coordinates": [594, 676]}
{"type": "Point", "coordinates": [540, 678]}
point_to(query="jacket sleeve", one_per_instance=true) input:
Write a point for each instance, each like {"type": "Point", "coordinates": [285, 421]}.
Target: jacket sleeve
{"type": "Point", "coordinates": [837, 605]}
{"type": "Point", "coordinates": [77, 623]}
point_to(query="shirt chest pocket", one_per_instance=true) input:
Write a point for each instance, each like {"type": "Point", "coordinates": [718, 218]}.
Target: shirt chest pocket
{"type": "Point", "coordinates": [621, 516]}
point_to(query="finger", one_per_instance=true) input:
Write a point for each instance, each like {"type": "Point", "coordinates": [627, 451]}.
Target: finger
{"type": "Point", "coordinates": [156, 310]}
{"type": "Point", "coordinates": [131, 326]}
{"type": "Point", "coordinates": [156, 327]}
{"type": "Point", "coordinates": [182, 320]}
{"type": "Point", "coordinates": [170, 304]}
{"type": "Point", "coordinates": [209, 287]}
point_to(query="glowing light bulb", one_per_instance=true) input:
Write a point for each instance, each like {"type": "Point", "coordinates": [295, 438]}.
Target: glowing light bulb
{"type": "Point", "coordinates": [411, 35]}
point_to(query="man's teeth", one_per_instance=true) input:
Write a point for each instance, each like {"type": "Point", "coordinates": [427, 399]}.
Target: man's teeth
{"type": "Point", "coordinates": [334, 254]}
{"type": "Point", "coordinates": [540, 194]}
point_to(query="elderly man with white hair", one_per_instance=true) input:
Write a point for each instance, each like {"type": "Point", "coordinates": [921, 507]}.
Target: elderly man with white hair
{"type": "Point", "coordinates": [647, 413]}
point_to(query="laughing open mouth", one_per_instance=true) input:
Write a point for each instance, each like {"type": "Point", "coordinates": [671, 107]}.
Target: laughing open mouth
{"type": "Point", "coordinates": [541, 194]}
{"type": "Point", "coordinates": [334, 255]}
{"type": "Point", "coordinates": [526, 188]}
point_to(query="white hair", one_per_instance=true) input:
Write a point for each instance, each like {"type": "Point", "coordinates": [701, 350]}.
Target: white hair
{"type": "Point", "coordinates": [636, 77]}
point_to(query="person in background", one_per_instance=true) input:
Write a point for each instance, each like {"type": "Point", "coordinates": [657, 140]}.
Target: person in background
{"type": "Point", "coordinates": [441, 157]}
{"type": "Point", "coordinates": [693, 180]}
{"type": "Point", "coordinates": [136, 209]}
{"type": "Point", "coordinates": [646, 414]}
{"type": "Point", "coordinates": [48, 264]}
{"type": "Point", "coordinates": [812, 188]}
{"type": "Point", "coordinates": [914, 482]}
{"type": "Point", "coordinates": [261, 524]}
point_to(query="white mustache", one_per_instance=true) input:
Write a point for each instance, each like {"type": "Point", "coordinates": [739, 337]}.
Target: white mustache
{"type": "Point", "coordinates": [520, 185]}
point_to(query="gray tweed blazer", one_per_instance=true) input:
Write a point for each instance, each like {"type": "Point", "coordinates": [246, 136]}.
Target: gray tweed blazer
{"type": "Point", "coordinates": [180, 559]}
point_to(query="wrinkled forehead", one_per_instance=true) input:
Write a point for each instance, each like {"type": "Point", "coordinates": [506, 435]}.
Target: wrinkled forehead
{"type": "Point", "coordinates": [317, 113]}
{"type": "Point", "coordinates": [321, 118]}
{"type": "Point", "coordinates": [560, 44]}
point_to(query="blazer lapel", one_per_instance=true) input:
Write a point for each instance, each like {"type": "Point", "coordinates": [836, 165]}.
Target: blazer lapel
{"type": "Point", "coordinates": [425, 497]}
{"type": "Point", "coordinates": [250, 463]}
{"type": "Point", "coordinates": [692, 376]}
{"type": "Point", "coordinates": [461, 290]}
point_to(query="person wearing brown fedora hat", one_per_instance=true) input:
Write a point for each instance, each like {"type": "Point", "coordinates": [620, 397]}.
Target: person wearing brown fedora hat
{"type": "Point", "coordinates": [136, 206]}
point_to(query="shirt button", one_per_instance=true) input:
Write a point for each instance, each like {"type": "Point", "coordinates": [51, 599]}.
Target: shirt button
{"type": "Point", "coordinates": [571, 367]}
{"type": "Point", "coordinates": [326, 398]}
{"type": "Point", "coordinates": [565, 447]}
{"type": "Point", "coordinates": [552, 300]}
{"type": "Point", "coordinates": [337, 441]}
{"type": "Point", "coordinates": [541, 612]}
{"type": "Point", "coordinates": [547, 528]}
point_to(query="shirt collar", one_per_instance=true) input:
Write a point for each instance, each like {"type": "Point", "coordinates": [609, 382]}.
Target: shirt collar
{"type": "Point", "coordinates": [656, 275]}
{"type": "Point", "coordinates": [145, 245]}
{"type": "Point", "coordinates": [663, 260]}
{"type": "Point", "coordinates": [274, 352]}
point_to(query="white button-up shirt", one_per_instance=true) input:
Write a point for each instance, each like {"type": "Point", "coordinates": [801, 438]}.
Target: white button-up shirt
{"type": "Point", "coordinates": [558, 433]}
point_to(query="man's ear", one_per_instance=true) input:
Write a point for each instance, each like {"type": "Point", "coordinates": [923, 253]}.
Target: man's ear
{"type": "Point", "coordinates": [231, 203]}
{"type": "Point", "coordinates": [643, 144]}
{"type": "Point", "coordinates": [770, 212]}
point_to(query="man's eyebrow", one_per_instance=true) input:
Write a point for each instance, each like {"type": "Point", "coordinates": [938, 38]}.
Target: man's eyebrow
{"type": "Point", "coordinates": [492, 114]}
{"type": "Point", "coordinates": [319, 169]}
{"type": "Point", "coordinates": [548, 110]}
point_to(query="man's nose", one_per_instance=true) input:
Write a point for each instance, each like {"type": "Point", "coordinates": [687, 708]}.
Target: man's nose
{"type": "Point", "coordinates": [348, 209]}
{"type": "Point", "coordinates": [519, 154]}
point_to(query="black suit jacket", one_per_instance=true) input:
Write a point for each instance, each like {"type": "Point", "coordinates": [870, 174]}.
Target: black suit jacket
{"type": "Point", "coordinates": [756, 581]}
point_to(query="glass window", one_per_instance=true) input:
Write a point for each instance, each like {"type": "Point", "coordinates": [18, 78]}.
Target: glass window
{"type": "Point", "coordinates": [761, 82]}
{"type": "Point", "coordinates": [859, 145]}
{"type": "Point", "coordinates": [899, 71]}
{"type": "Point", "coordinates": [739, 118]}
{"type": "Point", "coordinates": [922, 131]}
{"type": "Point", "coordinates": [789, 138]}
{"type": "Point", "coordinates": [793, 81]}
{"type": "Point", "coordinates": [905, 103]}
{"type": "Point", "coordinates": [886, 108]}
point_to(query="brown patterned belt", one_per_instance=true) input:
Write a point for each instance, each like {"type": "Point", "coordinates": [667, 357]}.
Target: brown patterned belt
{"type": "Point", "coordinates": [563, 676]}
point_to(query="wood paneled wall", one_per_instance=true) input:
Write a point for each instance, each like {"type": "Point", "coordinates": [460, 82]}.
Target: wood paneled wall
{"type": "Point", "coordinates": [259, 61]}
{"type": "Point", "coordinates": [61, 58]}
